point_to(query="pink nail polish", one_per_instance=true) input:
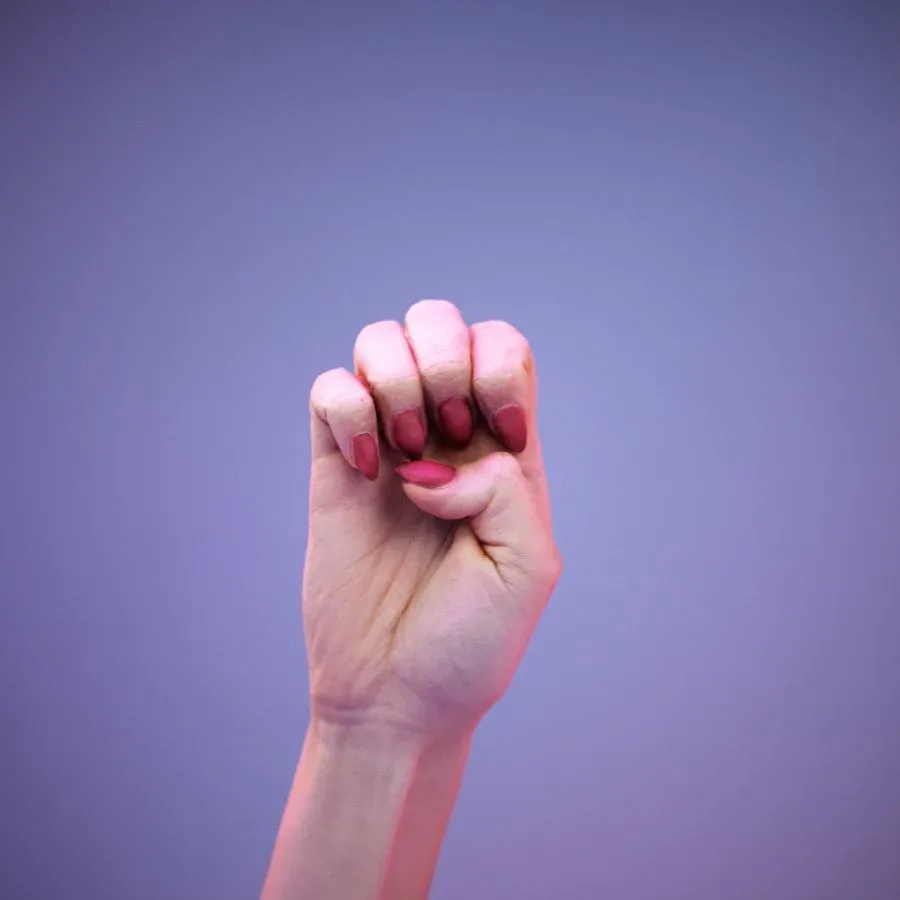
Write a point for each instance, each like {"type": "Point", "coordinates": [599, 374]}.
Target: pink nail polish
{"type": "Point", "coordinates": [426, 473]}
{"type": "Point", "coordinates": [511, 427]}
{"type": "Point", "coordinates": [365, 455]}
{"type": "Point", "coordinates": [409, 433]}
{"type": "Point", "coordinates": [455, 416]}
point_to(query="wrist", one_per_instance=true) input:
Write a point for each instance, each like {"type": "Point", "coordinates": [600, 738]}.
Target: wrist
{"type": "Point", "coordinates": [378, 747]}
{"type": "Point", "coordinates": [384, 729]}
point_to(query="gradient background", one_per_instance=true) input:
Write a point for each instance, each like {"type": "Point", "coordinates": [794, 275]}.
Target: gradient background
{"type": "Point", "coordinates": [694, 213]}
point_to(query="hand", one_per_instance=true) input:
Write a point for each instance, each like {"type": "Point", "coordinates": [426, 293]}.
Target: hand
{"type": "Point", "coordinates": [424, 580]}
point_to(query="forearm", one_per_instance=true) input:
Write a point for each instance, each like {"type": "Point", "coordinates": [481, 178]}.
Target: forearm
{"type": "Point", "coordinates": [365, 816]}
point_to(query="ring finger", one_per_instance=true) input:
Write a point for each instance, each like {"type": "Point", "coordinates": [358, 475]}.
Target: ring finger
{"type": "Point", "coordinates": [440, 344]}
{"type": "Point", "coordinates": [384, 360]}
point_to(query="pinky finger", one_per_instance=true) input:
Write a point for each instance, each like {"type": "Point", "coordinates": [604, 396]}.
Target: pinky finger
{"type": "Point", "coordinates": [343, 418]}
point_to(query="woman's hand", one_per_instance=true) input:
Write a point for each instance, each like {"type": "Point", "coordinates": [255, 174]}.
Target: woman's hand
{"type": "Point", "coordinates": [424, 580]}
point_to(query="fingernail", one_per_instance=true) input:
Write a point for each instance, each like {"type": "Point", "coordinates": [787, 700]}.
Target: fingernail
{"type": "Point", "coordinates": [509, 423]}
{"type": "Point", "coordinates": [426, 473]}
{"type": "Point", "coordinates": [455, 416]}
{"type": "Point", "coordinates": [365, 455]}
{"type": "Point", "coordinates": [409, 433]}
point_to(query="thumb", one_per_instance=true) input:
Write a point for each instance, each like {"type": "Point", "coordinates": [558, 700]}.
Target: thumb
{"type": "Point", "coordinates": [494, 495]}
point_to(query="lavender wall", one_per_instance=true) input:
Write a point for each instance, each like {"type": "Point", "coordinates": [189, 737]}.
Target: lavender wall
{"type": "Point", "coordinates": [694, 213]}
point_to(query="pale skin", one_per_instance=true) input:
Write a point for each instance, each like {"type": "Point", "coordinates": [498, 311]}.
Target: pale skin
{"type": "Point", "coordinates": [430, 560]}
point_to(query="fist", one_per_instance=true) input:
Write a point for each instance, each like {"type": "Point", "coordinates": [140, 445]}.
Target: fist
{"type": "Point", "coordinates": [431, 553]}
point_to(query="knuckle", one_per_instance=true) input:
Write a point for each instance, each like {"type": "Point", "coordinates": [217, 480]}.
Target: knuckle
{"type": "Point", "coordinates": [402, 390]}
{"type": "Point", "coordinates": [376, 331]}
{"type": "Point", "coordinates": [325, 381]}
{"type": "Point", "coordinates": [440, 372]}
{"type": "Point", "coordinates": [505, 467]}
{"type": "Point", "coordinates": [429, 305]}
{"type": "Point", "coordinates": [337, 390]}
{"type": "Point", "coordinates": [500, 330]}
{"type": "Point", "coordinates": [507, 347]}
{"type": "Point", "coordinates": [500, 383]}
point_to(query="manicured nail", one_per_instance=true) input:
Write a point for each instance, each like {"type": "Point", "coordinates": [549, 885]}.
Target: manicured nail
{"type": "Point", "coordinates": [455, 416]}
{"type": "Point", "coordinates": [409, 433]}
{"type": "Point", "coordinates": [426, 473]}
{"type": "Point", "coordinates": [365, 455]}
{"type": "Point", "coordinates": [510, 425]}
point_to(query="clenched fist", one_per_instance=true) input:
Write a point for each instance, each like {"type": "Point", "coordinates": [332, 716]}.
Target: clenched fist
{"type": "Point", "coordinates": [431, 553]}
{"type": "Point", "coordinates": [430, 559]}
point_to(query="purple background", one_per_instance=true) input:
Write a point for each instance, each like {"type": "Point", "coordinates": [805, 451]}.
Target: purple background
{"type": "Point", "coordinates": [694, 214]}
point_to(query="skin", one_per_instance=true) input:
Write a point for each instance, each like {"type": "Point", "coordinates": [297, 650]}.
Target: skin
{"type": "Point", "coordinates": [429, 562]}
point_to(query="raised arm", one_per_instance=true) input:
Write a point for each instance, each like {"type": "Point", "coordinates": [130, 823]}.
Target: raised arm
{"type": "Point", "coordinates": [429, 562]}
